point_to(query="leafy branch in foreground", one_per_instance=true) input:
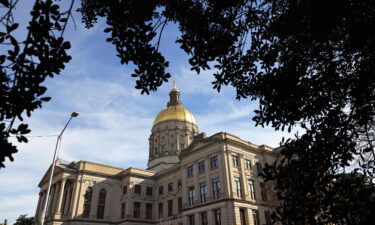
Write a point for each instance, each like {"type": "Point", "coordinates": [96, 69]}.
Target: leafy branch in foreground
{"type": "Point", "coordinates": [25, 65]}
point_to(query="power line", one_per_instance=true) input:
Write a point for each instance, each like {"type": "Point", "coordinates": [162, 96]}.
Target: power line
{"type": "Point", "coordinates": [48, 135]}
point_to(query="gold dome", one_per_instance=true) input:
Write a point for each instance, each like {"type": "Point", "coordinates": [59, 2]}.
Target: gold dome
{"type": "Point", "coordinates": [175, 112]}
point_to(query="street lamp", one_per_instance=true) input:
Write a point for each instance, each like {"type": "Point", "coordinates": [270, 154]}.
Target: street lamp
{"type": "Point", "coordinates": [73, 115]}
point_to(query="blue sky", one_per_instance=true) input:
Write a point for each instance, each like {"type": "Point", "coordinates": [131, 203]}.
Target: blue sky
{"type": "Point", "coordinates": [115, 119]}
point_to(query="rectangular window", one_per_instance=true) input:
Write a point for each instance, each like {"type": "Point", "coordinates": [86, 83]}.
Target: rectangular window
{"type": "Point", "coordinates": [161, 190]}
{"type": "Point", "coordinates": [191, 220]}
{"type": "Point", "coordinates": [170, 187]}
{"type": "Point", "coordinates": [203, 190]}
{"type": "Point", "coordinates": [251, 189]}
{"type": "Point", "coordinates": [235, 160]}
{"type": "Point", "coordinates": [247, 164]}
{"type": "Point", "coordinates": [190, 171]}
{"type": "Point", "coordinates": [137, 210]}
{"type": "Point", "coordinates": [182, 147]}
{"type": "Point", "coordinates": [267, 216]}
{"type": "Point", "coordinates": [149, 211]}
{"type": "Point", "coordinates": [216, 188]}
{"type": "Point", "coordinates": [123, 210]}
{"type": "Point", "coordinates": [179, 204]}
{"type": "Point", "coordinates": [172, 148]}
{"type": "Point", "coordinates": [191, 195]}
{"type": "Point", "coordinates": [263, 191]}
{"type": "Point", "coordinates": [149, 191]}
{"type": "Point", "coordinates": [217, 217]}
{"type": "Point", "coordinates": [124, 190]}
{"type": "Point", "coordinates": [179, 184]}
{"type": "Point", "coordinates": [170, 208]}
{"type": "Point", "coordinates": [243, 216]}
{"type": "Point", "coordinates": [204, 218]}
{"type": "Point", "coordinates": [202, 167]}
{"type": "Point", "coordinates": [161, 210]}
{"type": "Point", "coordinates": [256, 217]}
{"type": "Point", "coordinates": [259, 167]}
{"type": "Point", "coordinates": [237, 182]}
{"type": "Point", "coordinates": [213, 162]}
{"type": "Point", "coordinates": [137, 189]}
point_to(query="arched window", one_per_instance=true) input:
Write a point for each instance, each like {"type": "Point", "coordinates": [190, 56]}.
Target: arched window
{"type": "Point", "coordinates": [87, 202]}
{"type": "Point", "coordinates": [101, 203]}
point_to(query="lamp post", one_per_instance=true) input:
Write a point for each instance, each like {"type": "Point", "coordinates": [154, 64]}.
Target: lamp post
{"type": "Point", "coordinates": [73, 115]}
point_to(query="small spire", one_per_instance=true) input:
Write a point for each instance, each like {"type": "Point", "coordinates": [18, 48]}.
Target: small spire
{"type": "Point", "coordinates": [174, 95]}
{"type": "Point", "coordinates": [174, 86]}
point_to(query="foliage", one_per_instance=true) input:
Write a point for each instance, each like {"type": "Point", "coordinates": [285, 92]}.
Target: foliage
{"type": "Point", "coordinates": [24, 220]}
{"type": "Point", "coordinates": [308, 63]}
{"type": "Point", "coordinates": [25, 65]}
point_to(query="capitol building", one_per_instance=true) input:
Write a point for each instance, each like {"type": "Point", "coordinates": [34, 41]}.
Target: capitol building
{"type": "Point", "coordinates": [191, 179]}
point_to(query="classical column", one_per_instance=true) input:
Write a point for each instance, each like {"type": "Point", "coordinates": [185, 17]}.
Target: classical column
{"type": "Point", "coordinates": [50, 201]}
{"type": "Point", "coordinates": [68, 200]}
{"type": "Point", "coordinates": [38, 207]}
{"type": "Point", "coordinates": [60, 198]}
{"type": "Point", "coordinates": [55, 197]}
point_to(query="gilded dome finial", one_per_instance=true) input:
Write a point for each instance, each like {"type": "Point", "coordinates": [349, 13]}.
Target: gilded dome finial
{"type": "Point", "coordinates": [174, 86]}
{"type": "Point", "coordinates": [174, 95]}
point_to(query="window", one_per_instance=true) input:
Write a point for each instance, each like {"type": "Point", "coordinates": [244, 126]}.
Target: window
{"type": "Point", "coordinates": [171, 148]}
{"type": "Point", "coordinates": [190, 171]}
{"type": "Point", "coordinates": [256, 217]}
{"type": "Point", "coordinates": [237, 181]}
{"type": "Point", "coordinates": [124, 190]}
{"type": "Point", "coordinates": [259, 167]}
{"type": "Point", "coordinates": [235, 160]}
{"type": "Point", "coordinates": [182, 147]}
{"type": "Point", "coordinates": [247, 164]}
{"type": "Point", "coordinates": [170, 208]}
{"type": "Point", "coordinates": [191, 220]}
{"type": "Point", "coordinates": [263, 191]}
{"type": "Point", "coordinates": [161, 190]}
{"type": "Point", "coordinates": [204, 218]}
{"type": "Point", "coordinates": [123, 210]}
{"type": "Point", "coordinates": [149, 211]}
{"type": "Point", "coordinates": [179, 204]}
{"type": "Point", "coordinates": [267, 216]}
{"type": "Point", "coordinates": [252, 189]}
{"type": "Point", "coordinates": [203, 190]}
{"type": "Point", "coordinates": [213, 162]}
{"type": "Point", "coordinates": [137, 210]}
{"type": "Point", "coordinates": [170, 187]}
{"type": "Point", "coordinates": [217, 217]}
{"type": "Point", "coordinates": [216, 188]}
{"type": "Point", "coordinates": [243, 216]}
{"type": "Point", "coordinates": [179, 184]}
{"type": "Point", "coordinates": [191, 196]}
{"type": "Point", "coordinates": [101, 203]}
{"type": "Point", "coordinates": [137, 189]}
{"type": "Point", "coordinates": [87, 202]}
{"type": "Point", "coordinates": [161, 210]}
{"type": "Point", "coordinates": [202, 167]}
{"type": "Point", "coordinates": [149, 191]}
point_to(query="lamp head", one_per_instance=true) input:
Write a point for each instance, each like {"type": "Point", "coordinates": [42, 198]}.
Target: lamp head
{"type": "Point", "coordinates": [74, 114]}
